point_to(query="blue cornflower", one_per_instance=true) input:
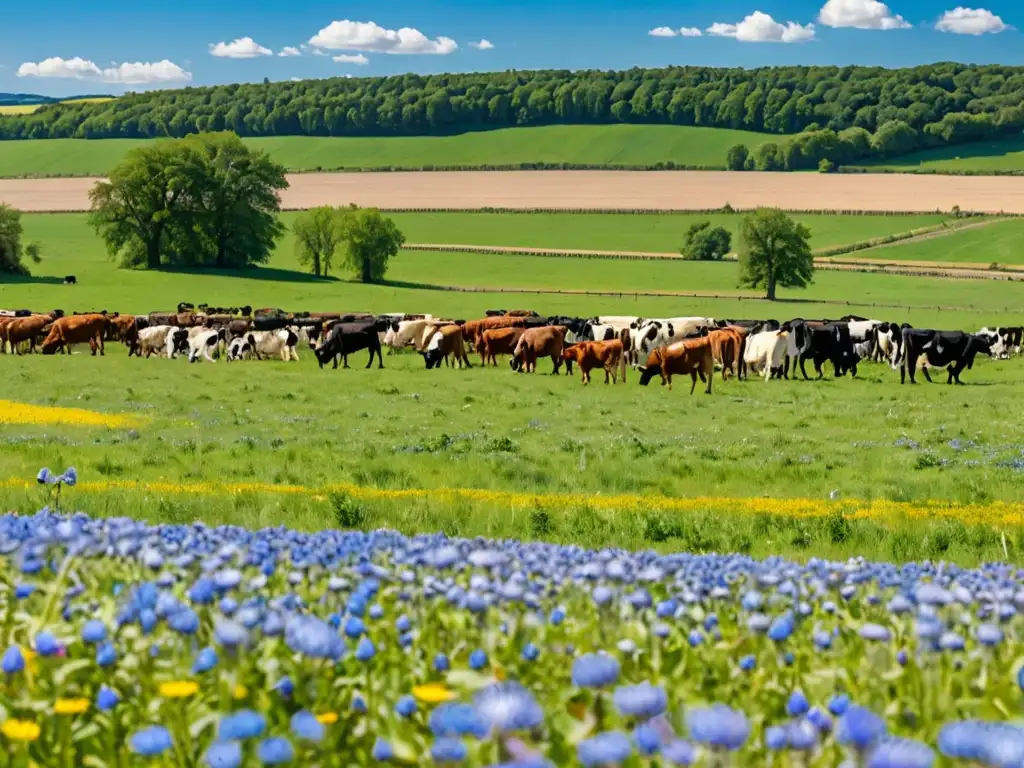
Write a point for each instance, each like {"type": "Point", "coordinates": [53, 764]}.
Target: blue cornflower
{"type": "Point", "coordinates": [230, 633]}
{"type": "Point", "coordinates": [184, 622]}
{"type": "Point", "coordinates": [405, 706]}
{"type": "Point", "coordinates": [226, 754]}
{"type": "Point", "coordinates": [448, 750]}
{"type": "Point", "coordinates": [775, 737]}
{"type": "Point", "coordinates": [965, 740]}
{"type": "Point", "coordinates": [47, 644]}
{"type": "Point", "coordinates": [607, 748]}
{"type": "Point", "coordinates": [647, 739]}
{"type": "Point", "coordinates": [859, 728]}
{"type": "Point", "coordinates": [781, 628]}
{"type": "Point", "coordinates": [801, 735]}
{"type": "Point", "coordinates": [595, 670]}
{"type": "Point", "coordinates": [314, 638]}
{"type": "Point", "coordinates": [45, 477]}
{"type": "Point", "coordinates": [822, 639]}
{"type": "Point", "coordinates": [305, 726]}
{"type": "Point", "coordinates": [797, 704]}
{"type": "Point", "coordinates": [106, 699]}
{"type": "Point", "coordinates": [150, 741]}
{"type": "Point", "coordinates": [718, 726]}
{"type": "Point", "coordinates": [456, 719]}
{"type": "Point", "coordinates": [69, 478]}
{"type": "Point", "coordinates": [819, 719]}
{"type": "Point", "coordinates": [989, 634]}
{"type": "Point", "coordinates": [557, 616]}
{"type": "Point", "coordinates": [358, 704]}
{"type": "Point", "coordinates": [106, 655]}
{"type": "Point", "coordinates": [530, 652]}
{"type": "Point", "coordinates": [602, 595]}
{"type": "Point", "coordinates": [506, 707]}
{"type": "Point", "coordinates": [951, 641]}
{"type": "Point", "coordinates": [441, 663]}
{"type": "Point", "coordinates": [354, 627]}
{"type": "Point", "coordinates": [94, 631]}
{"type": "Point", "coordinates": [23, 591]}
{"type": "Point", "coordinates": [275, 751]}
{"type": "Point", "coordinates": [205, 661]}
{"type": "Point", "coordinates": [695, 638]}
{"type": "Point", "coordinates": [478, 659]}
{"type": "Point", "coordinates": [285, 686]}
{"type": "Point", "coordinates": [13, 660]}
{"type": "Point", "coordinates": [382, 750]}
{"type": "Point", "coordinates": [679, 752]}
{"type": "Point", "coordinates": [204, 591]}
{"type": "Point", "coordinates": [901, 753]}
{"type": "Point", "coordinates": [241, 725]}
{"type": "Point", "coordinates": [875, 632]}
{"type": "Point", "coordinates": [365, 650]}
{"type": "Point", "coordinates": [748, 662]}
{"type": "Point", "coordinates": [643, 700]}
{"type": "Point", "coordinates": [838, 704]}
{"type": "Point", "coordinates": [402, 624]}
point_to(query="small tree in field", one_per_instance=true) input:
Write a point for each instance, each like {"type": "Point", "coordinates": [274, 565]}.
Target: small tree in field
{"type": "Point", "coordinates": [11, 248]}
{"type": "Point", "coordinates": [318, 235]}
{"type": "Point", "coordinates": [775, 252]}
{"type": "Point", "coordinates": [371, 240]}
{"type": "Point", "coordinates": [706, 243]}
{"type": "Point", "coordinates": [736, 158]}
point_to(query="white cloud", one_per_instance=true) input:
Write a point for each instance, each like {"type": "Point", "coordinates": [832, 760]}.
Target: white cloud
{"type": "Point", "coordinates": [345, 58]}
{"type": "Point", "coordinates": [483, 45]}
{"type": "Point", "coordinates": [128, 73]}
{"type": "Point", "coordinates": [242, 48]}
{"type": "Point", "coordinates": [759, 27]}
{"type": "Point", "coordinates": [970, 21]}
{"type": "Point", "coordinates": [662, 32]}
{"type": "Point", "coordinates": [860, 14]}
{"type": "Point", "coordinates": [290, 51]}
{"type": "Point", "coordinates": [320, 52]}
{"type": "Point", "coordinates": [689, 32]}
{"type": "Point", "coordinates": [368, 36]}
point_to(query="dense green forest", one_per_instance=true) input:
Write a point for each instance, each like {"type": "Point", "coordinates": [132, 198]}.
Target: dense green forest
{"type": "Point", "coordinates": [924, 106]}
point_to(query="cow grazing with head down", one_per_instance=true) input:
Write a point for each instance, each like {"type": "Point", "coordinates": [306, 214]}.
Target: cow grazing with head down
{"type": "Point", "coordinates": [1005, 341]}
{"type": "Point", "coordinates": [954, 350]}
{"type": "Point", "coordinates": [535, 343]}
{"type": "Point", "coordinates": [765, 353]}
{"type": "Point", "coordinates": [24, 329]}
{"type": "Point", "coordinates": [446, 343]}
{"type": "Point", "coordinates": [346, 338]}
{"type": "Point", "coordinates": [589, 355]}
{"type": "Point", "coordinates": [77, 329]}
{"type": "Point", "coordinates": [694, 357]}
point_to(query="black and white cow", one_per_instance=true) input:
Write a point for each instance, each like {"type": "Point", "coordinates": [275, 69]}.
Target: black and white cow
{"type": "Point", "coordinates": [954, 350]}
{"type": "Point", "coordinates": [204, 343]}
{"type": "Point", "coordinates": [820, 343]}
{"type": "Point", "coordinates": [1008, 340]}
{"type": "Point", "coordinates": [346, 338]}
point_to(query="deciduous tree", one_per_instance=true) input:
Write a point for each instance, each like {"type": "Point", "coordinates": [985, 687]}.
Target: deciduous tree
{"type": "Point", "coordinates": [371, 240]}
{"type": "Point", "coordinates": [706, 243]}
{"type": "Point", "coordinates": [319, 233]}
{"type": "Point", "coordinates": [775, 252]}
{"type": "Point", "coordinates": [12, 251]}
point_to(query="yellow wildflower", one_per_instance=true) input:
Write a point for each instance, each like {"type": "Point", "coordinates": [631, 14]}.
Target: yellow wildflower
{"type": "Point", "coordinates": [70, 706]}
{"type": "Point", "coordinates": [178, 689]}
{"type": "Point", "coordinates": [240, 691]}
{"type": "Point", "coordinates": [25, 413]}
{"type": "Point", "coordinates": [327, 718]}
{"type": "Point", "coordinates": [20, 730]}
{"type": "Point", "coordinates": [433, 693]}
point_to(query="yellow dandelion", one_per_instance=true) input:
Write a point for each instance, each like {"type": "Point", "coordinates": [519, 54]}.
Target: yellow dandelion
{"type": "Point", "coordinates": [327, 718]}
{"type": "Point", "coordinates": [70, 706]}
{"type": "Point", "coordinates": [240, 691]}
{"type": "Point", "coordinates": [433, 693]}
{"type": "Point", "coordinates": [25, 413]}
{"type": "Point", "coordinates": [20, 730]}
{"type": "Point", "coordinates": [178, 689]}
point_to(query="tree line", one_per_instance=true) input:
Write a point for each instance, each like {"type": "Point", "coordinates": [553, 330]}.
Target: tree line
{"type": "Point", "coordinates": [944, 103]}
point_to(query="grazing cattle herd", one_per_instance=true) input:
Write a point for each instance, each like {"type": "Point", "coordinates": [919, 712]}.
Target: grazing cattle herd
{"type": "Point", "coordinates": [662, 347]}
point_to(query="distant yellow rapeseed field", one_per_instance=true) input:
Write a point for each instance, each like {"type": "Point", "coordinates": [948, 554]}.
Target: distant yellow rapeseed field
{"type": "Point", "coordinates": [27, 109]}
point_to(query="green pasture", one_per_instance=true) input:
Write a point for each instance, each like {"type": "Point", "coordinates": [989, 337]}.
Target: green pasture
{"type": "Point", "coordinates": [416, 281]}
{"type": "Point", "coordinates": [405, 428]}
{"type": "Point", "coordinates": [611, 145]}
{"type": "Point", "coordinates": [998, 242]}
{"type": "Point", "coordinates": [1005, 154]}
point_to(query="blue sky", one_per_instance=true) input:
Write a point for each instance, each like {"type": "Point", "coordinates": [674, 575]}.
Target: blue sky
{"type": "Point", "coordinates": [117, 45]}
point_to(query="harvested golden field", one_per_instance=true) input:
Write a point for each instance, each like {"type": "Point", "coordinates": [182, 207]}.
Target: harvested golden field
{"type": "Point", "coordinates": [625, 190]}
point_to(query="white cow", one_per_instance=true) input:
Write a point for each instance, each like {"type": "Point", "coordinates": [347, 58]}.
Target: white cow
{"type": "Point", "coordinates": [154, 339]}
{"type": "Point", "coordinates": [280, 343]}
{"type": "Point", "coordinates": [766, 352]}
{"type": "Point", "coordinates": [202, 344]}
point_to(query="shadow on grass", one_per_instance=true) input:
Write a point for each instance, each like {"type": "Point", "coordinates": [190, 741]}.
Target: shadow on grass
{"type": "Point", "coordinates": [6, 279]}
{"type": "Point", "coordinates": [255, 273]}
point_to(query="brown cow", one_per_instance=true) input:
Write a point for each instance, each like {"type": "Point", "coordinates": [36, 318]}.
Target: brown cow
{"type": "Point", "coordinates": [598, 354]}
{"type": "Point", "coordinates": [447, 341]}
{"type": "Point", "coordinates": [24, 329]}
{"type": "Point", "coordinates": [125, 329]}
{"type": "Point", "coordinates": [472, 330]}
{"type": "Point", "coordinates": [76, 329]}
{"type": "Point", "coordinates": [498, 341]}
{"type": "Point", "coordinates": [725, 348]}
{"type": "Point", "coordinates": [742, 333]}
{"type": "Point", "coordinates": [693, 356]}
{"type": "Point", "coordinates": [546, 341]}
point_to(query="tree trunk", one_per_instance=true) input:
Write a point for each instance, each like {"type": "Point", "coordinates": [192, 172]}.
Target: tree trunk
{"type": "Point", "coordinates": [771, 286]}
{"type": "Point", "coordinates": [153, 252]}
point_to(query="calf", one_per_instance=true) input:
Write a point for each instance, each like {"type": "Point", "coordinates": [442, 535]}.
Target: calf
{"type": "Point", "coordinates": [954, 349]}
{"type": "Point", "coordinates": [77, 329]}
{"type": "Point", "coordinates": [535, 343]}
{"type": "Point", "coordinates": [203, 343]}
{"type": "Point", "coordinates": [597, 354]}
{"type": "Point", "coordinates": [766, 353]}
{"type": "Point", "coordinates": [694, 357]}
{"type": "Point", "coordinates": [446, 342]}
{"type": "Point", "coordinates": [346, 338]}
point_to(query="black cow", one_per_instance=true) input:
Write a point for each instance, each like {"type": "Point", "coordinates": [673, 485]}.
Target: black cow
{"type": "Point", "coordinates": [346, 338]}
{"type": "Point", "coordinates": [180, 343]}
{"type": "Point", "coordinates": [70, 280]}
{"type": "Point", "coordinates": [953, 349]}
{"type": "Point", "coordinates": [829, 342]}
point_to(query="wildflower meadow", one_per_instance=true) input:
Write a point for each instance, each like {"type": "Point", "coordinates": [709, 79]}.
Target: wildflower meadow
{"type": "Point", "coordinates": [127, 644]}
